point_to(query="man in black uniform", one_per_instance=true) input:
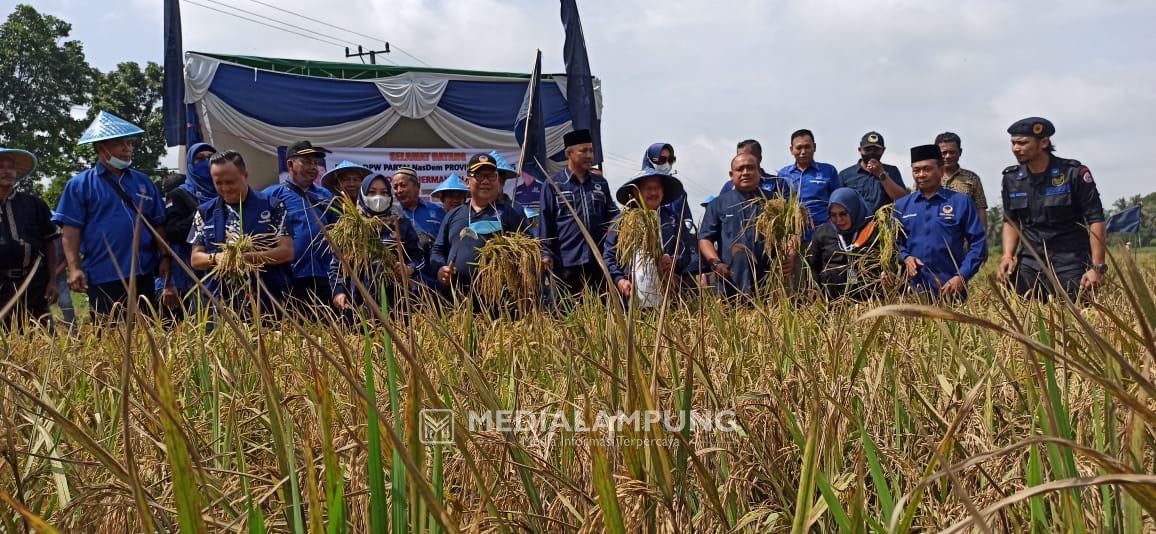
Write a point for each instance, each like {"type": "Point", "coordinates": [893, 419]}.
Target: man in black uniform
{"type": "Point", "coordinates": [1053, 205]}
{"type": "Point", "coordinates": [26, 235]}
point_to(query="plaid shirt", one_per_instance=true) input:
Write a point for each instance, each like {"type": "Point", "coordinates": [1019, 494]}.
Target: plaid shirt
{"type": "Point", "coordinates": [968, 183]}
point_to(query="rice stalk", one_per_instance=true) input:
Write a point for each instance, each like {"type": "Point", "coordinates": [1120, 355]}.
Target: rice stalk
{"type": "Point", "coordinates": [358, 238]}
{"type": "Point", "coordinates": [233, 267]}
{"type": "Point", "coordinates": [509, 267]}
{"type": "Point", "coordinates": [780, 222]}
{"type": "Point", "coordinates": [889, 230]}
{"type": "Point", "coordinates": [639, 236]}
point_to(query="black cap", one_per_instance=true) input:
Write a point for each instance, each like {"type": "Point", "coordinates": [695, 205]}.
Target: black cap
{"type": "Point", "coordinates": [577, 137]}
{"type": "Point", "coordinates": [872, 139]}
{"type": "Point", "coordinates": [1038, 127]}
{"type": "Point", "coordinates": [926, 152]}
{"type": "Point", "coordinates": [305, 148]}
{"type": "Point", "coordinates": [479, 161]}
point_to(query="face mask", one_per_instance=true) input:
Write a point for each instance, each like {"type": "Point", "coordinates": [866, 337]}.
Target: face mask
{"type": "Point", "coordinates": [486, 227]}
{"type": "Point", "coordinates": [118, 164]}
{"type": "Point", "coordinates": [378, 203]}
{"type": "Point", "coordinates": [663, 168]}
{"type": "Point", "coordinates": [201, 169]}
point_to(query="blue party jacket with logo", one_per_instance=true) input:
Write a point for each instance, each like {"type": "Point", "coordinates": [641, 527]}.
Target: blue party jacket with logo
{"type": "Point", "coordinates": [307, 210]}
{"type": "Point", "coordinates": [814, 187]}
{"type": "Point", "coordinates": [260, 214]}
{"type": "Point", "coordinates": [944, 232]}
{"type": "Point", "coordinates": [562, 240]}
{"type": "Point", "coordinates": [458, 246]}
{"type": "Point", "coordinates": [90, 204]}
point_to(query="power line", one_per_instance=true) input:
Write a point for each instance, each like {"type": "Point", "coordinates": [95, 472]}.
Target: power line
{"type": "Point", "coordinates": [334, 26]}
{"type": "Point", "coordinates": [305, 35]}
{"type": "Point", "coordinates": [294, 26]}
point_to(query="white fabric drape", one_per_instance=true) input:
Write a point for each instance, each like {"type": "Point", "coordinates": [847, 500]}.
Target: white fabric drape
{"type": "Point", "coordinates": [412, 95]}
{"type": "Point", "coordinates": [267, 138]}
{"type": "Point", "coordinates": [199, 73]}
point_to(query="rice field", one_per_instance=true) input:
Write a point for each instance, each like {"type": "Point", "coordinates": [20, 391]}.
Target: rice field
{"type": "Point", "coordinates": [994, 416]}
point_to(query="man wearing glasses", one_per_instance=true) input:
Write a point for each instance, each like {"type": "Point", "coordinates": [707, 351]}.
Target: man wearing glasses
{"type": "Point", "coordinates": [305, 206]}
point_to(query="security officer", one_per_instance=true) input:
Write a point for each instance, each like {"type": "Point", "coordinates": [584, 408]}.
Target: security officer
{"type": "Point", "coordinates": [1053, 205]}
{"type": "Point", "coordinates": [743, 261]}
{"type": "Point", "coordinates": [642, 278]}
{"type": "Point", "coordinates": [26, 234]}
{"type": "Point", "coordinates": [943, 244]}
{"type": "Point", "coordinates": [307, 209]}
{"type": "Point", "coordinates": [564, 248]}
{"type": "Point", "coordinates": [98, 211]}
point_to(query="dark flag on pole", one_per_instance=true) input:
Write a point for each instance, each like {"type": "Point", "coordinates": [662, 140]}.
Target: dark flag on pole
{"type": "Point", "coordinates": [174, 89]}
{"type": "Point", "coordinates": [1127, 221]}
{"type": "Point", "coordinates": [530, 127]}
{"type": "Point", "coordinates": [579, 80]}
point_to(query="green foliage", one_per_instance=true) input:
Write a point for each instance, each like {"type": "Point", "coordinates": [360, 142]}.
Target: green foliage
{"type": "Point", "coordinates": [43, 76]}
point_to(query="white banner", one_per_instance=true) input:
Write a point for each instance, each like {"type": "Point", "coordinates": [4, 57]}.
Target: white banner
{"type": "Point", "coordinates": [433, 165]}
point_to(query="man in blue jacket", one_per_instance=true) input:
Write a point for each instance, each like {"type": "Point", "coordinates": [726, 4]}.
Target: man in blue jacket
{"type": "Point", "coordinates": [306, 205]}
{"type": "Point", "coordinates": [98, 212]}
{"type": "Point", "coordinates": [943, 243]}
{"type": "Point", "coordinates": [237, 211]}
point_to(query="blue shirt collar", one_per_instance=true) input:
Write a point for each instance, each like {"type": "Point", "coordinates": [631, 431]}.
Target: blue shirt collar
{"type": "Point", "coordinates": [941, 193]}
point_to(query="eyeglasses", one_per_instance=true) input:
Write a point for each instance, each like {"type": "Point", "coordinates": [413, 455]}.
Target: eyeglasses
{"type": "Point", "coordinates": [488, 177]}
{"type": "Point", "coordinates": [834, 214]}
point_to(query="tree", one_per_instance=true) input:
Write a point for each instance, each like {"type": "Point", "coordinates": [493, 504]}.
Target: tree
{"type": "Point", "coordinates": [135, 96]}
{"type": "Point", "coordinates": [1147, 235]}
{"type": "Point", "coordinates": [42, 78]}
{"type": "Point", "coordinates": [995, 228]}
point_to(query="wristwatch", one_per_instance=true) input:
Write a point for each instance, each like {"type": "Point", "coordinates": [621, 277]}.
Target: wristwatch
{"type": "Point", "coordinates": [1101, 268]}
{"type": "Point", "coordinates": [882, 176]}
{"type": "Point", "coordinates": [714, 264]}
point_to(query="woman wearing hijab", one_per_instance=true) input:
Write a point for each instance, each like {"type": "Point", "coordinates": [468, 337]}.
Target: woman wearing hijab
{"type": "Point", "coordinates": [181, 204]}
{"type": "Point", "coordinates": [375, 199]}
{"type": "Point", "coordinates": [841, 250]}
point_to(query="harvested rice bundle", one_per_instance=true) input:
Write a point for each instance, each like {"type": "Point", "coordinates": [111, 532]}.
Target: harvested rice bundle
{"type": "Point", "coordinates": [781, 222]}
{"type": "Point", "coordinates": [358, 238]}
{"type": "Point", "coordinates": [639, 236]}
{"type": "Point", "coordinates": [509, 265]}
{"type": "Point", "coordinates": [232, 264]}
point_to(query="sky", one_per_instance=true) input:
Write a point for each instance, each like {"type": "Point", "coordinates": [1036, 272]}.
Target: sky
{"type": "Point", "coordinates": [704, 75]}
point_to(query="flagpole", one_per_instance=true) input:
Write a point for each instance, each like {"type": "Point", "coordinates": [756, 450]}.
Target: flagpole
{"type": "Point", "coordinates": [529, 109]}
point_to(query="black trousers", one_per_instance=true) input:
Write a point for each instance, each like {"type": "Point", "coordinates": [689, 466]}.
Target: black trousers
{"type": "Point", "coordinates": [574, 280]}
{"type": "Point", "coordinates": [110, 299]}
{"type": "Point", "coordinates": [31, 306]}
{"type": "Point", "coordinates": [312, 297]}
{"type": "Point", "coordinates": [1031, 282]}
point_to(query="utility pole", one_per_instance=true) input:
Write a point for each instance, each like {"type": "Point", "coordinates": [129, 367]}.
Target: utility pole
{"type": "Point", "coordinates": [371, 53]}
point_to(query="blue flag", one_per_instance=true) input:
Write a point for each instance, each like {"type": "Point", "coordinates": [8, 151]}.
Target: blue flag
{"type": "Point", "coordinates": [530, 127]}
{"type": "Point", "coordinates": [173, 102]}
{"type": "Point", "coordinates": [579, 80]}
{"type": "Point", "coordinates": [1127, 221]}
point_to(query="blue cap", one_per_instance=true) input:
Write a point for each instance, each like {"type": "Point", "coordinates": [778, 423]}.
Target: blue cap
{"type": "Point", "coordinates": [453, 183]}
{"type": "Point", "coordinates": [671, 187]}
{"type": "Point", "coordinates": [25, 160]}
{"type": "Point", "coordinates": [108, 126]}
{"type": "Point", "coordinates": [1037, 127]}
{"type": "Point", "coordinates": [506, 169]}
{"type": "Point", "coordinates": [709, 199]}
{"type": "Point", "coordinates": [329, 179]}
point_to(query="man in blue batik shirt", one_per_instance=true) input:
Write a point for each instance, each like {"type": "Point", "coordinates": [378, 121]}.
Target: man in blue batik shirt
{"type": "Point", "coordinates": [943, 243]}
{"type": "Point", "coordinates": [98, 222]}
{"type": "Point", "coordinates": [564, 248]}
{"type": "Point", "coordinates": [813, 181]}
{"type": "Point", "coordinates": [306, 206]}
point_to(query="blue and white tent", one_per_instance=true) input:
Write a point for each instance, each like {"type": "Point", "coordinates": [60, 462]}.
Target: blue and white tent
{"type": "Point", "coordinates": [258, 104]}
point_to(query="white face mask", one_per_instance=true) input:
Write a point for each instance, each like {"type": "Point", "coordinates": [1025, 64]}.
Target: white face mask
{"type": "Point", "coordinates": [378, 203]}
{"type": "Point", "coordinates": [118, 164]}
{"type": "Point", "coordinates": [665, 168]}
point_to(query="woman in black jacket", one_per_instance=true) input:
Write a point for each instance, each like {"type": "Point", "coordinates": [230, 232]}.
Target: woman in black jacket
{"type": "Point", "coordinates": [844, 253]}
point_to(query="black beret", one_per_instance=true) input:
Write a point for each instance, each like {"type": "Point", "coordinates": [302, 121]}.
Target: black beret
{"type": "Point", "coordinates": [926, 152]}
{"type": "Point", "coordinates": [1032, 126]}
{"type": "Point", "coordinates": [577, 137]}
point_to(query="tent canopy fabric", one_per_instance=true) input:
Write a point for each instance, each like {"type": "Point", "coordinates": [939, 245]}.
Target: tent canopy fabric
{"type": "Point", "coordinates": [270, 102]}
